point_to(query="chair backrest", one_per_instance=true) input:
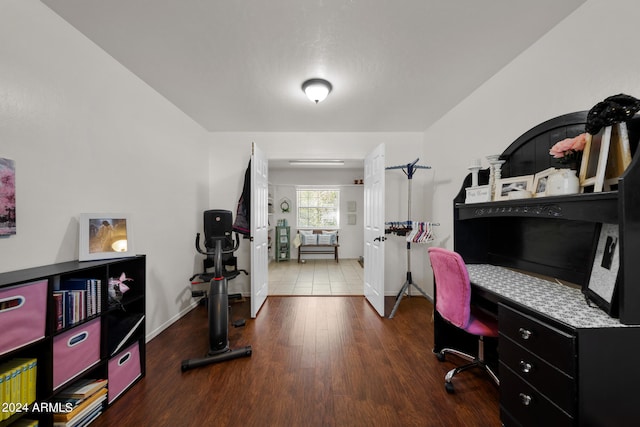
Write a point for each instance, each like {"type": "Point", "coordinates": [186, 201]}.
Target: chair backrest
{"type": "Point", "coordinates": [453, 289]}
{"type": "Point", "coordinates": [218, 225]}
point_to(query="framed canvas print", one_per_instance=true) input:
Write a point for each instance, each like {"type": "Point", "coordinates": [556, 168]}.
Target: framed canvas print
{"type": "Point", "coordinates": [601, 288]}
{"type": "Point", "coordinates": [7, 197]}
{"type": "Point", "coordinates": [506, 185]}
{"type": "Point", "coordinates": [105, 236]}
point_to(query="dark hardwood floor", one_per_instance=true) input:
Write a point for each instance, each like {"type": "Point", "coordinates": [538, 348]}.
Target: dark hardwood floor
{"type": "Point", "coordinates": [317, 361]}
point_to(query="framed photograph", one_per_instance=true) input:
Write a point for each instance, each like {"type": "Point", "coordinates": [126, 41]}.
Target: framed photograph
{"type": "Point", "coordinates": [540, 182]}
{"type": "Point", "coordinates": [601, 288]}
{"type": "Point", "coordinates": [351, 206]}
{"type": "Point", "coordinates": [105, 236]}
{"type": "Point", "coordinates": [506, 185]}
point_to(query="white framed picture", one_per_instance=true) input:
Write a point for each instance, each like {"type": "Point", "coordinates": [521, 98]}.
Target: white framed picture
{"type": "Point", "coordinates": [105, 236]}
{"type": "Point", "coordinates": [604, 272]}
{"type": "Point", "coordinates": [517, 183]}
{"type": "Point", "coordinates": [540, 182]}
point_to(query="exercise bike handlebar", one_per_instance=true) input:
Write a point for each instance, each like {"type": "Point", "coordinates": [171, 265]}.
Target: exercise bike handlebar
{"type": "Point", "coordinates": [214, 252]}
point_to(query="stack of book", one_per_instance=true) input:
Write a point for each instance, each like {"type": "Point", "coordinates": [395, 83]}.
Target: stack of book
{"type": "Point", "coordinates": [80, 403]}
{"type": "Point", "coordinates": [17, 385]}
{"type": "Point", "coordinates": [76, 300]}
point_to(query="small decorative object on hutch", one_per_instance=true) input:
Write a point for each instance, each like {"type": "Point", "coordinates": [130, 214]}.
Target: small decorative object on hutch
{"type": "Point", "coordinates": [505, 186]}
{"type": "Point", "coordinates": [569, 150]}
{"type": "Point", "coordinates": [562, 182]}
{"type": "Point", "coordinates": [477, 193]}
{"type": "Point", "coordinates": [540, 182]}
{"type": "Point", "coordinates": [495, 172]}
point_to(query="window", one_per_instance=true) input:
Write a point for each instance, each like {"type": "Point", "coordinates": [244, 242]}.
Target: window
{"type": "Point", "coordinates": [318, 208]}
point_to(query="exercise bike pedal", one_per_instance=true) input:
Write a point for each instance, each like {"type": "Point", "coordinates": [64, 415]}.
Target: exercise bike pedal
{"type": "Point", "coordinates": [239, 323]}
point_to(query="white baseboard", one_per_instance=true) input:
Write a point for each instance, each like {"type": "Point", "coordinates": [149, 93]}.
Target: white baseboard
{"type": "Point", "coordinates": [151, 335]}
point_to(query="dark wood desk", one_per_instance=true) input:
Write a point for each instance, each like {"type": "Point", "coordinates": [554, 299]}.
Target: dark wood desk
{"type": "Point", "coordinates": [561, 361]}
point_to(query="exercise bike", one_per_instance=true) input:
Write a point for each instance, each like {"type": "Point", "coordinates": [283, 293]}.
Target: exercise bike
{"type": "Point", "coordinates": [219, 249]}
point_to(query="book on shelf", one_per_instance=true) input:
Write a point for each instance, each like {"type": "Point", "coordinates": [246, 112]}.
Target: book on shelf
{"type": "Point", "coordinates": [17, 384]}
{"type": "Point", "coordinates": [121, 328]}
{"type": "Point", "coordinates": [82, 410]}
{"type": "Point", "coordinates": [83, 388]}
{"type": "Point", "coordinates": [76, 299]}
{"type": "Point", "coordinates": [23, 422]}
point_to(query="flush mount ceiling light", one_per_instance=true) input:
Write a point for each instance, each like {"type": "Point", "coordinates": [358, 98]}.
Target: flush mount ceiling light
{"type": "Point", "coordinates": [316, 89]}
{"type": "Point", "coordinates": [311, 162]}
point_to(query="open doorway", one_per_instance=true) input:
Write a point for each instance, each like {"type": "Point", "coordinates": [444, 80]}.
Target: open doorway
{"type": "Point", "coordinates": [315, 274]}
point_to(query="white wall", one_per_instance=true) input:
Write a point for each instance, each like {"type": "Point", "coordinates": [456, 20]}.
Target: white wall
{"type": "Point", "coordinates": [88, 136]}
{"type": "Point", "coordinates": [230, 153]}
{"type": "Point", "coordinates": [587, 57]}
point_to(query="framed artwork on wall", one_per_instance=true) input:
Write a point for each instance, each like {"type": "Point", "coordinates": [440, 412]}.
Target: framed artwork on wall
{"type": "Point", "coordinates": [601, 288]}
{"type": "Point", "coordinates": [7, 197]}
{"type": "Point", "coordinates": [105, 236]}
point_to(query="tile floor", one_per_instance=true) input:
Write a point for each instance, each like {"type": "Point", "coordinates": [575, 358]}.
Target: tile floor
{"type": "Point", "coordinates": [316, 277]}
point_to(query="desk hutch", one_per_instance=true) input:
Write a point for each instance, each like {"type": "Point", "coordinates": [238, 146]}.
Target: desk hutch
{"type": "Point", "coordinates": [571, 366]}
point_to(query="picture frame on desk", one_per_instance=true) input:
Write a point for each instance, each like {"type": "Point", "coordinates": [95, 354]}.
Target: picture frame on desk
{"type": "Point", "coordinates": [602, 286]}
{"type": "Point", "coordinates": [506, 185]}
{"type": "Point", "coordinates": [105, 236]}
{"type": "Point", "coordinates": [540, 182]}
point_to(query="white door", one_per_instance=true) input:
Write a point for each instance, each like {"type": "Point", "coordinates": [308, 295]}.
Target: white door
{"type": "Point", "coordinates": [259, 229]}
{"type": "Point", "coordinates": [374, 171]}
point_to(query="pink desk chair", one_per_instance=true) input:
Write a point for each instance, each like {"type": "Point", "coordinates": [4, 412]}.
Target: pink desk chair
{"type": "Point", "coordinates": [453, 302]}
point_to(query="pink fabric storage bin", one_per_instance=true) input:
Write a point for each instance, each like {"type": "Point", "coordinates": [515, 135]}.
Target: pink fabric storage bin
{"type": "Point", "coordinates": [23, 312]}
{"type": "Point", "coordinates": [124, 369]}
{"type": "Point", "coordinates": [74, 351]}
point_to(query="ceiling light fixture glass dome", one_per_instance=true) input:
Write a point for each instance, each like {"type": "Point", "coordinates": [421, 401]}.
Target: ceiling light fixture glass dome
{"type": "Point", "coordinates": [316, 89]}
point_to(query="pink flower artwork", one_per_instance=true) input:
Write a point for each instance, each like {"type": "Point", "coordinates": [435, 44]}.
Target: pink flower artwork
{"type": "Point", "coordinates": [7, 197]}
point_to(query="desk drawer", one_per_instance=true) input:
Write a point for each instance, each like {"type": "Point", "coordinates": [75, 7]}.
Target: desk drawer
{"type": "Point", "coordinates": [526, 405]}
{"type": "Point", "coordinates": [554, 384]}
{"type": "Point", "coordinates": [545, 341]}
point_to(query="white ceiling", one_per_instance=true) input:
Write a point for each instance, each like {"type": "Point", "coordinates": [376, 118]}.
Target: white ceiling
{"type": "Point", "coordinates": [239, 65]}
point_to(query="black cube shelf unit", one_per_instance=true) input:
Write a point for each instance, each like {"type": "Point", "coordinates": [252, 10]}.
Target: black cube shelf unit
{"type": "Point", "coordinates": [101, 341]}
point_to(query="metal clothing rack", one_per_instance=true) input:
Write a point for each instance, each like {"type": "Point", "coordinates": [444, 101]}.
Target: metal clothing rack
{"type": "Point", "coordinates": [409, 169]}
